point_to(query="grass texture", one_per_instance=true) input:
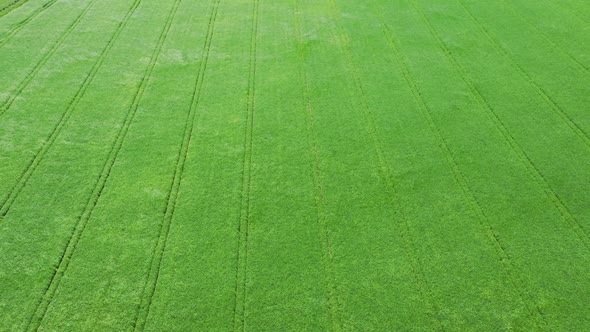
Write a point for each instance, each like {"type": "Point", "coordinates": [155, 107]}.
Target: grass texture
{"type": "Point", "coordinates": [7, 5]}
{"type": "Point", "coordinates": [301, 165]}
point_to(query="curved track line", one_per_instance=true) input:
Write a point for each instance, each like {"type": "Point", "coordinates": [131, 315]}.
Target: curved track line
{"type": "Point", "coordinates": [482, 218]}
{"type": "Point", "coordinates": [10, 5]}
{"type": "Point", "coordinates": [24, 177]}
{"type": "Point", "coordinates": [92, 202]}
{"type": "Point", "coordinates": [5, 106]}
{"type": "Point", "coordinates": [320, 201]}
{"type": "Point", "coordinates": [566, 214]}
{"type": "Point", "coordinates": [581, 133]}
{"type": "Point", "coordinates": [18, 26]}
{"type": "Point", "coordinates": [239, 319]}
{"type": "Point", "coordinates": [151, 282]}
{"type": "Point", "coordinates": [409, 247]}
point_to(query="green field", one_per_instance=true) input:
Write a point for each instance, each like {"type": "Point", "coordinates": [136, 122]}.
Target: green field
{"type": "Point", "coordinates": [302, 165]}
{"type": "Point", "coordinates": [7, 5]}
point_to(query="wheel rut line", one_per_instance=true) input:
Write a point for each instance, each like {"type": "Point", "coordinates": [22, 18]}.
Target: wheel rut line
{"type": "Point", "coordinates": [239, 320]}
{"type": "Point", "coordinates": [31, 75]}
{"type": "Point", "coordinates": [10, 5]}
{"type": "Point", "coordinates": [34, 162]}
{"type": "Point", "coordinates": [18, 26]}
{"type": "Point", "coordinates": [483, 220]}
{"type": "Point", "coordinates": [581, 67]}
{"type": "Point", "coordinates": [535, 173]}
{"type": "Point", "coordinates": [493, 239]}
{"type": "Point", "coordinates": [420, 279]}
{"type": "Point", "coordinates": [517, 279]}
{"type": "Point", "coordinates": [319, 196]}
{"type": "Point", "coordinates": [150, 286]}
{"type": "Point", "coordinates": [580, 132]}
{"type": "Point", "coordinates": [63, 263]}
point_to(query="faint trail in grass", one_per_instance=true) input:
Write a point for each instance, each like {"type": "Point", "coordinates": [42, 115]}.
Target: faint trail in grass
{"type": "Point", "coordinates": [425, 112]}
{"type": "Point", "coordinates": [171, 201]}
{"type": "Point", "coordinates": [319, 197]}
{"type": "Point", "coordinates": [239, 319]}
{"type": "Point", "coordinates": [566, 214]}
{"type": "Point", "coordinates": [581, 66]}
{"type": "Point", "coordinates": [24, 177]}
{"type": "Point", "coordinates": [13, 5]}
{"type": "Point", "coordinates": [25, 82]}
{"type": "Point", "coordinates": [18, 26]}
{"type": "Point", "coordinates": [581, 133]}
{"type": "Point", "coordinates": [460, 179]}
{"type": "Point", "coordinates": [386, 173]}
{"type": "Point", "coordinates": [8, 6]}
{"type": "Point", "coordinates": [92, 202]}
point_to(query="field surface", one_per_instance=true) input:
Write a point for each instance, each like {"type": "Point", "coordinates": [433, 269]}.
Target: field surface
{"type": "Point", "coordinates": [304, 165]}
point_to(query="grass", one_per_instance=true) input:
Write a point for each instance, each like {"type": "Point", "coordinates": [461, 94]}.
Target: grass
{"type": "Point", "coordinates": [294, 165]}
{"type": "Point", "coordinates": [7, 5]}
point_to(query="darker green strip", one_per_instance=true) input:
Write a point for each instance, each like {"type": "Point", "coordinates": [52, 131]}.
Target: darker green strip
{"type": "Point", "coordinates": [8, 6]}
